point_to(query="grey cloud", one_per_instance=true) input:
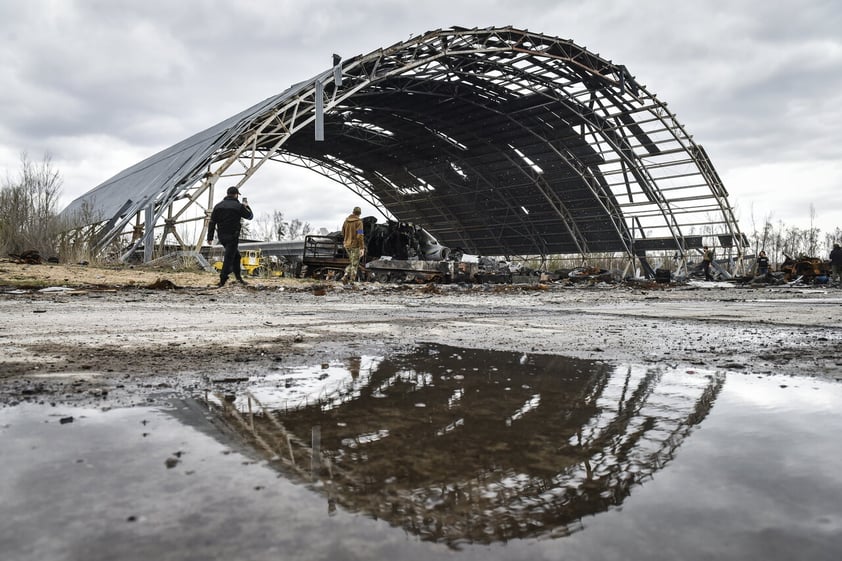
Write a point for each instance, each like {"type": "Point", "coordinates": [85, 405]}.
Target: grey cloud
{"type": "Point", "coordinates": [753, 81]}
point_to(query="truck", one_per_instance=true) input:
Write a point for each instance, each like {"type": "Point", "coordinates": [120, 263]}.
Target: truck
{"type": "Point", "coordinates": [394, 252]}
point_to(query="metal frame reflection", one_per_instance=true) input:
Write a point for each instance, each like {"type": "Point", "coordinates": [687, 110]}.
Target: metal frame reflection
{"type": "Point", "coordinates": [470, 446]}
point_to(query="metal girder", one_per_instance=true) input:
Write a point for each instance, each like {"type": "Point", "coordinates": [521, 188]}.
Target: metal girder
{"type": "Point", "coordinates": [438, 130]}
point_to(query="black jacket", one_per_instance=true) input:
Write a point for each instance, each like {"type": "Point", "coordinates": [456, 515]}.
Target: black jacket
{"type": "Point", "coordinates": [225, 219]}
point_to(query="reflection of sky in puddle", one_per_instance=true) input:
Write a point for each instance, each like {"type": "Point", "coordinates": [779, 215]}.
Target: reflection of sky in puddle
{"type": "Point", "coordinates": [329, 383]}
{"type": "Point", "coordinates": [654, 463]}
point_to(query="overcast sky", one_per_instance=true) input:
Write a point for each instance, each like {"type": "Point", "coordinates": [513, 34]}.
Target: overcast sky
{"type": "Point", "coordinates": [101, 85]}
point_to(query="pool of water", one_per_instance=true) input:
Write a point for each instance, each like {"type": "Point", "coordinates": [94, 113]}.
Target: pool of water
{"type": "Point", "coordinates": [443, 453]}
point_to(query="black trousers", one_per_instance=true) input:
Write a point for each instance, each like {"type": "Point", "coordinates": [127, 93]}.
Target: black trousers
{"type": "Point", "coordinates": [231, 261]}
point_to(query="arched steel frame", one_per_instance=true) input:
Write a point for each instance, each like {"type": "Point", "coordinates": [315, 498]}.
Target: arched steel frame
{"type": "Point", "coordinates": [628, 425]}
{"type": "Point", "coordinates": [499, 141]}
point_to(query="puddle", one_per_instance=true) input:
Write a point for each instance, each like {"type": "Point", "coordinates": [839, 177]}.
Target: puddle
{"type": "Point", "coordinates": [445, 453]}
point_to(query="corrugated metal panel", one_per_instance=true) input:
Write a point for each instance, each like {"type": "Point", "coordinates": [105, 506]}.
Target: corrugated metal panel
{"type": "Point", "coordinates": [165, 174]}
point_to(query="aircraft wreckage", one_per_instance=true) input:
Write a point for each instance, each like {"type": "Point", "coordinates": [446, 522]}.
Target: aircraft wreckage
{"type": "Point", "coordinates": [498, 141]}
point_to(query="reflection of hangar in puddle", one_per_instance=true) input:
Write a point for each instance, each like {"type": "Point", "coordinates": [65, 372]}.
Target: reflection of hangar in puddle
{"type": "Point", "coordinates": [463, 446]}
{"type": "Point", "coordinates": [498, 141]}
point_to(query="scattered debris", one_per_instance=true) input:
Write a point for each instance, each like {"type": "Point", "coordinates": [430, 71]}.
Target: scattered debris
{"type": "Point", "coordinates": [431, 288]}
{"type": "Point", "coordinates": [805, 270]}
{"type": "Point", "coordinates": [31, 257]}
{"type": "Point", "coordinates": [163, 284]}
{"type": "Point", "coordinates": [590, 273]}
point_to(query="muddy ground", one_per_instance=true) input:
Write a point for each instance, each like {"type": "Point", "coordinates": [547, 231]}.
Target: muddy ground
{"type": "Point", "coordinates": [126, 335]}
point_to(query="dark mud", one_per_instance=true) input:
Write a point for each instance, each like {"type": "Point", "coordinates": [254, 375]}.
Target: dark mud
{"type": "Point", "coordinates": [59, 346]}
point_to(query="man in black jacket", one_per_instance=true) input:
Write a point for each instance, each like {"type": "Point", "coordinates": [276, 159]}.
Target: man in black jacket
{"type": "Point", "coordinates": [225, 219]}
{"type": "Point", "coordinates": [836, 265]}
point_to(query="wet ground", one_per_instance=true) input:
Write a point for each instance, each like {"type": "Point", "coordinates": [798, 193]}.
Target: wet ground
{"type": "Point", "coordinates": [438, 453]}
{"type": "Point", "coordinates": [496, 422]}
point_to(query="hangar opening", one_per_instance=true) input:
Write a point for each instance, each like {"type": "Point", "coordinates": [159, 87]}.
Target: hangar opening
{"type": "Point", "coordinates": [498, 141]}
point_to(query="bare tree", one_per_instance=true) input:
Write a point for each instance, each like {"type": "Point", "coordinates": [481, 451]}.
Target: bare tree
{"type": "Point", "coordinates": [278, 228]}
{"type": "Point", "coordinates": [246, 227]}
{"type": "Point", "coordinates": [269, 227]}
{"type": "Point", "coordinates": [306, 229]}
{"type": "Point", "coordinates": [813, 234]}
{"type": "Point", "coordinates": [28, 208]}
{"type": "Point", "coordinates": [833, 237]}
{"type": "Point", "coordinates": [767, 231]}
{"type": "Point", "coordinates": [297, 229]}
{"type": "Point", "coordinates": [754, 233]}
{"type": "Point", "coordinates": [259, 229]}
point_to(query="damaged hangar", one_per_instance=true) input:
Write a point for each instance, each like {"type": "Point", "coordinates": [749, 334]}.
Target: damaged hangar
{"type": "Point", "coordinates": [498, 141]}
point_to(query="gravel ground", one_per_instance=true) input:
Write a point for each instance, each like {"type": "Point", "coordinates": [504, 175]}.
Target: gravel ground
{"type": "Point", "coordinates": [127, 335]}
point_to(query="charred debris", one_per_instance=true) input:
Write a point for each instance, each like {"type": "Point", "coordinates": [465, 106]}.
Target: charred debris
{"type": "Point", "coordinates": [401, 252]}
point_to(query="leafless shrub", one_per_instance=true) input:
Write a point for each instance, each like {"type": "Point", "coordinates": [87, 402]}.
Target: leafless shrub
{"type": "Point", "coordinates": [28, 209]}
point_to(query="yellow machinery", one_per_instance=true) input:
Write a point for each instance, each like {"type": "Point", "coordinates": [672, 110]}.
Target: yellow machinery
{"type": "Point", "coordinates": [253, 263]}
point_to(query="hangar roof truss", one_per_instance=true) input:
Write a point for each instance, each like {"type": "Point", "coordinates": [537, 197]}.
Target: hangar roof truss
{"type": "Point", "coordinates": [498, 141]}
